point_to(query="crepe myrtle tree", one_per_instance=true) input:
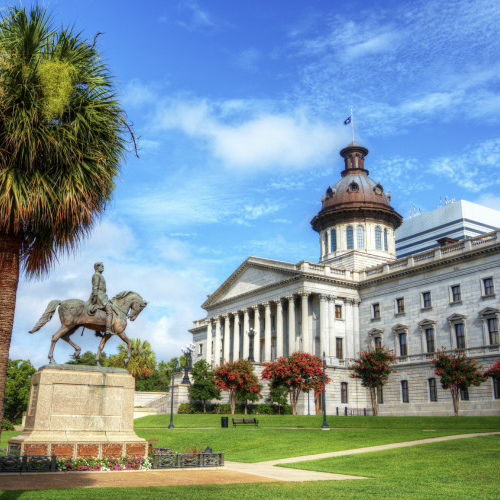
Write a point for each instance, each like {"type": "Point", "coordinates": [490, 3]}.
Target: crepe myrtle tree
{"type": "Point", "coordinates": [236, 377]}
{"type": "Point", "coordinates": [300, 371]}
{"type": "Point", "coordinates": [373, 367]}
{"type": "Point", "coordinates": [457, 372]}
{"type": "Point", "coordinates": [494, 371]}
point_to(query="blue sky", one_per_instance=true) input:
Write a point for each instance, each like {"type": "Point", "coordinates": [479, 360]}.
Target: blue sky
{"type": "Point", "coordinates": [240, 107]}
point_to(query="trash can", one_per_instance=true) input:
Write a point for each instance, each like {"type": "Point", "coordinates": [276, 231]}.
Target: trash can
{"type": "Point", "coordinates": [224, 422]}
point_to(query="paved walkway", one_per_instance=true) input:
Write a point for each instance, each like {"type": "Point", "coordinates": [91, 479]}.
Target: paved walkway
{"type": "Point", "coordinates": [232, 473]}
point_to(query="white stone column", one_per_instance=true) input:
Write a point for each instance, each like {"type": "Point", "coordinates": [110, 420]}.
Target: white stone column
{"type": "Point", "coordinates": [331, 324]}
{"type": "Point", "coordinates": [267, 331]}
{"type": "Point", "coordinates": [209, 343]}
{"type": "Point", "coordinates": [217, 345]}
{"type": "Point", "coordinates": [355, 326]}
{"type": "Point", "coordinates": [323, 325]}
{"type": "Point", "coordinates": [279, 328]}
{"type": "Point", "coordinates": [306, 341]}
{"type": "Point", "coordinates": [227, 334]}
{"type": "Point", "coordinates": [349, 341]}
{"type": "Point", "coordinates": [236, 336]}
{"type": "Point", "coordinates": [256, 339]}
{"type": "Point", "coordinates": [246, 327]}
{"type": "Point", "coordinates": [291, 324]}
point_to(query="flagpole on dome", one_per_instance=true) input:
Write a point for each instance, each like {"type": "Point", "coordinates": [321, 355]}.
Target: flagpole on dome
{"type": "Point", "coordinates": [351, 121]}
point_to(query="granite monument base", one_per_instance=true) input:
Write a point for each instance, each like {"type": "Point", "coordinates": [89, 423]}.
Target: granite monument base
{"type": "Point", "coordinates": [80, 411]}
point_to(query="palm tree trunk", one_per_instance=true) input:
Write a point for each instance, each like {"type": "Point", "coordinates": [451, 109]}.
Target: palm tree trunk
{"type": "Point", "coordinates": [10, 248]}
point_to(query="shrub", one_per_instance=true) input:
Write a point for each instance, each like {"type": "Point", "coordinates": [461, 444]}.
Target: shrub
{"type": "Point", "coordinates": [186, 408]}
{"type": "Point", "coordinates": [6, 425]}
{"type": "Point", "coordinates": [222, 408]}
{"type": "Point", "coordinates": [264, 409]}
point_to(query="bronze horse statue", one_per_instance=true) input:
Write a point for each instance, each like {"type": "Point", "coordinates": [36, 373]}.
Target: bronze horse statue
{"type": "Point", "coordinates": [74, 313]}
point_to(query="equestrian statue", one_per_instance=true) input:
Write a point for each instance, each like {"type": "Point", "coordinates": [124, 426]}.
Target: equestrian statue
{"type": "Point", "coordinates": [98, 314]}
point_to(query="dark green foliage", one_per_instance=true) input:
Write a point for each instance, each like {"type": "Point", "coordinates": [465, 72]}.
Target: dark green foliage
{"type": "Point", "coordinates": [186, 408]}
{"type": "Point", "coordinates": [88, 358]}
{"type": "Point", "coordinates": [6, 425]}
{"type": "Point", "coordinates": [17, 389]}
{"type": "Point", "coordinates": [278, 395]}
{"type": "Point", "coordinates": [203, 387]}
{"type": "Point", "coordinates": [158, 380]}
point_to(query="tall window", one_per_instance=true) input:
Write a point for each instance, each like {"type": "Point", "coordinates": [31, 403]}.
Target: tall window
{"type": "Point", "coordinates": [339, 351]}
{"type": "Point", "coordinates": [338, 311]}
{"type": "Point", "coordinates": [429, 337]}
{"type": "Point", "coordinates": [464, 394]}
{"type": "Point", "coordinates": [380, 395]}
{"type": "Point", "coordinates": [200, 349]}
{"type": "Point", "coordinates": [404, 391]}
{"type": "Point", "coordinates": [433, 390]}
{"type": "Point", "coordinates": [360, 237]}
{"type": "Point", "coordinates": [400, 305]}
{"type": "Point", "coordinates": [488, 287]}
{"type": "Point", "coordinates": [493, 330]}
{"type": "Point", "coordinates": [333, 239]}
{"type": "Point", "coordinates": [460, 335]}
{"type": "Point", "coordinates": [376, 311]}
{"type": "Point", "coordinates": [426, 300]}
{"type": "Point", "coordinates": [496, 388]}
{"type": "Point", "coordinates": [378, 238]}
{"type": "Point", "coordinates": [403, 348]}
{"type": "Point", "coordinates": [456, 295]}
{"type": "Point", "coordinates": [377, 342]}
{"type": "Point", "coordinates": [343, 392]}
{"type": "Point", "coordinates": [386, 246]}
{"type": "Point", "coordinates": [350, 238]}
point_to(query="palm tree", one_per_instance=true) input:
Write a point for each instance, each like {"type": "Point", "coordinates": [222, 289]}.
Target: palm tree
{"type": "Point", "coordinates": [142, 361]}
{"type": "Point", "coordinates": [61, 145]}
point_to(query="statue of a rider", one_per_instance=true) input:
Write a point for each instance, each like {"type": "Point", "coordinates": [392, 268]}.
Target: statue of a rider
{"type": "Point", "coordinates": [99, 299]}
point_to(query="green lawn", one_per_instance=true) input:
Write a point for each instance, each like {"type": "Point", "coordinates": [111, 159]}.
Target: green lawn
{"type": "Point", "coordinates": [462, 469]}
{"type": "Point", "coordinates": [314, 421]}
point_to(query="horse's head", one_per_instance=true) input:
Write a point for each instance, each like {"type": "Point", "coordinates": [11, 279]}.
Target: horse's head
{"type": "Point", "coordinates": [136, 307]}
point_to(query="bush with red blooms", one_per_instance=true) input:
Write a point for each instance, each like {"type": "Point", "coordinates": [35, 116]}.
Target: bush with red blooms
{"type": "Point", "coordinates": [300, 371]}
{"type": "Point", "coordinates": [373, 367]}
{"type": "Point", "coordinates": [457, 372]}
{"type": "Point", "coordinates": [236, 377]}
{"type": "Point", "coordinates": [494, 371]}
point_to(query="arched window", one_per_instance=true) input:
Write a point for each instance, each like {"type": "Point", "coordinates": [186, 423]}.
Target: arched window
{"type": "Point", "coordinates": [333, 239]}
{"type": "Point", "coordinates": [360, 237]}
{"type": "Point", "coordinates": [378, 238]}
{"type": "Point", "coordinates": [386, 247]}
{"type": "Point", "coordinates": [350, 238]}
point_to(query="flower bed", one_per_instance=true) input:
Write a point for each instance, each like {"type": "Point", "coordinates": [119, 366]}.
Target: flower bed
{"type": "Point", "coordinates": [104, 464]}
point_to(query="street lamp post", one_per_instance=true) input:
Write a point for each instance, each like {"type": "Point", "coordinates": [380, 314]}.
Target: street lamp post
{"type": "Point", "coordinates": [251, 335]}
{"type": "Point", "coordinates": [325, 425]}
{"type": "Point", "coordinates": [187, 351]}
{"type": "Point", "coordinates": [171, 426]}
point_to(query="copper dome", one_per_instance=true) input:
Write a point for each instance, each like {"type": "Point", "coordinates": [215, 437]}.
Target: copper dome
{"type": "Point", "coordinates": [355, 196]}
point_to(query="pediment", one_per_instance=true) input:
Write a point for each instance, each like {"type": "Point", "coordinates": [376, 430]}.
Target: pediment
{"type": "Point", "coordinates": [375, 331]}
{"type": "Point", "coordinates": [400, 327]}
{"type": "Point", "coordinates": [456, 317]}
{"type": "Point", "coordinates": [426, 322]}
{"type": "Point", "coordinates": [250, 277]}
{"type": "Point", "coordinates": [488, 311]}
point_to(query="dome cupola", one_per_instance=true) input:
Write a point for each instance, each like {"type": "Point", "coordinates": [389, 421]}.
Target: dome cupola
{"type": "Point", "coordinates": [356, 215]}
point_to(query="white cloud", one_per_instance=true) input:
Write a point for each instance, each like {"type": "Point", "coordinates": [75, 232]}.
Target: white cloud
{"type": "Point", "coordinates": [489, 200]}
{"type": "Point", "coordinates": [259, 140]}
{"type": "Point", "coordinates": [194, 17]}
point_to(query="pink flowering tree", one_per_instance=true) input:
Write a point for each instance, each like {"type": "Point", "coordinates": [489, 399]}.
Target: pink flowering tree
{"type": "Point", "coordinates": [373, 367]}
{"type": "Point", "coordinates": [300, 371]}
{"type": "Point", "coordinates": [457, 372]}
{"type": "Point", "coordinates": [237, 378]}
{"type": "Point", "coordinates": [494, 371]}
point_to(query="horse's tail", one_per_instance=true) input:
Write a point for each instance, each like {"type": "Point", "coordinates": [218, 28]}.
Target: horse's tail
{"type": "Point", "coordinates": [46, 316]}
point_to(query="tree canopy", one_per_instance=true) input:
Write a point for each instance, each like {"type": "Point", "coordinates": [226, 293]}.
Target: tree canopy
{"type": "Point", "coordinates": [17, 389]}
{"type": "Point", "coordinates": [203, 387]}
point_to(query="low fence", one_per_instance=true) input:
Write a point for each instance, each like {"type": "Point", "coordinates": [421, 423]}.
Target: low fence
{"type": "Point", "coordinates": [354, 412]}
{"type": "Point", "coordinates": [27, 463]}
{"type": "Point", "coordinates": [163, 458]}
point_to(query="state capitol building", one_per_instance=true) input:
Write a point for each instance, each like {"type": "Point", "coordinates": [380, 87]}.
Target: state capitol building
{"type": "Point", "coordinates": [443, 290]}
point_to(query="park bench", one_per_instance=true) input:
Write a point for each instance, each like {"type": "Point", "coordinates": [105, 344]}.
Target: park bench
{"type": "Point", "coordinates": [245, 421]}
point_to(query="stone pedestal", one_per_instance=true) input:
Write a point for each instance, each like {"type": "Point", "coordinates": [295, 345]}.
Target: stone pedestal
{"type": "Point", "coordinates": [80, 411]}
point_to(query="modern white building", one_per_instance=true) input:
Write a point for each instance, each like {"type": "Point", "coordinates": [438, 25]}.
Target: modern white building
{"type": "Point", "coordinates": [360, 295]}
{"type": "Point", "coordinates": [457, 220]}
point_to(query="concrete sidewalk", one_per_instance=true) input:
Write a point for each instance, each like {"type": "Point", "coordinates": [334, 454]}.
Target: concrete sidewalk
{"type": "Point", "coordinates": [232, 473]}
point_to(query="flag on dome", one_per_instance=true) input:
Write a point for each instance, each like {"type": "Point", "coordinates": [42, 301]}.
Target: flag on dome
{"type": "Point", "coordinates": [346, 122]}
